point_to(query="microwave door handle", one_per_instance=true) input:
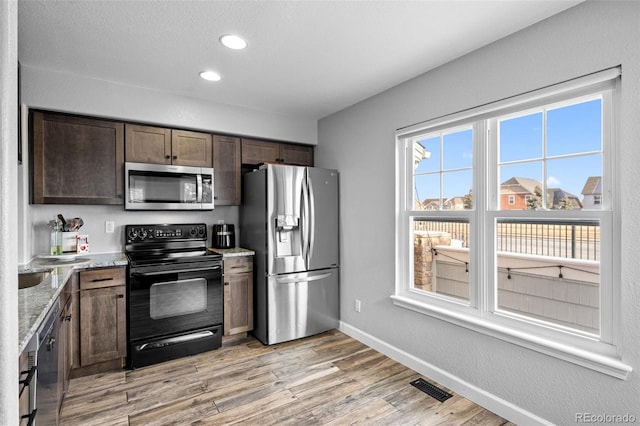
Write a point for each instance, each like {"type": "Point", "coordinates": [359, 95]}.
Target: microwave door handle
{"type": "Point", "coordinates": [199, 187]}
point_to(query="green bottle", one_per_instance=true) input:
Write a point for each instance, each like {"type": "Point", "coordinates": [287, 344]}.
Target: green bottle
{"type": "Point", "coordinates": [56, 238]}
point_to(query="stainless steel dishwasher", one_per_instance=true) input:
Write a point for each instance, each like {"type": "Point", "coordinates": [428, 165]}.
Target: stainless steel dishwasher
{"type": "Point", "coordinates": [47, 373]}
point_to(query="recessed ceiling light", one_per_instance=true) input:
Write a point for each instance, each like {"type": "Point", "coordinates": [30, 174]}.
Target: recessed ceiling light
{"type": "Point", "coordinates": [233, 41]}
{"type": "Point", "coordinates": [210, 75]}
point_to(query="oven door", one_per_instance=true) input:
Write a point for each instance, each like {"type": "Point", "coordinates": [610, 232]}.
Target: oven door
{"type": "Point", "coordinates": [163, 303]}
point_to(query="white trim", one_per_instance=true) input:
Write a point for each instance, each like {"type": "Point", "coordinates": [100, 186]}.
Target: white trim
{"type": "Point", "coordinates": [580, 84]}
{"type": "Point", "coordinates": [479, 396]}
{"type": "Point", "coordinates": [602, 363]}
{"type": "Point", "coordinates": [600, 353]}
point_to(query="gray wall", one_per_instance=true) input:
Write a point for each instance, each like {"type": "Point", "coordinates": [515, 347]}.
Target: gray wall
{"type": "Point", "coordinates": [359, 141]}
{"type": "Point", "coordinates": [57, 91]}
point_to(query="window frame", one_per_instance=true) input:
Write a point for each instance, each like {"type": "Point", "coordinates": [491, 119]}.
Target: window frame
{"type": "Point", "coordinates": [480, 313]}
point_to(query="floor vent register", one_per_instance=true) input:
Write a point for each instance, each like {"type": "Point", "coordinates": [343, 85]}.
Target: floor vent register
{"type": "Point", "coordinates": [431, 390]}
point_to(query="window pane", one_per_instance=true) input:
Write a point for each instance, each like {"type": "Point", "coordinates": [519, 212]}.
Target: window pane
{"type": "Point", "coordinates": [523, 182]}
{"type": "Point", "coordinates": [458, 150]}
{"type": "Point", "coordinates": [456, 188]}
{"type": "Point", "coordinates": [441, 257]}
{"type": "Point", "coordinates": [575, 182]}
{"type": "Point", "coordinates": [546, 285]}
{"type": "Point", "coordinates": [426, 192]}
{"type": "Point", "coordinates": [426, 154]}
{"type": "Point", "coordinates": [521, 138]}
{"type": "Point", "coordinates": [575, 128]}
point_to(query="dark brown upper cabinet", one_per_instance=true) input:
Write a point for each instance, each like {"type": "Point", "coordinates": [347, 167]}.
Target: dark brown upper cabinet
{"type": "Point", "coordinates": [159, 145]}
{"type": "Point", "coordinates": [227, 170]}
{"type": "Point", "coordinates": [299, 155]}
{"type": "Point", "coordinates": [256, 151]}
{"type": "Point", "coordinates": [75, 159]}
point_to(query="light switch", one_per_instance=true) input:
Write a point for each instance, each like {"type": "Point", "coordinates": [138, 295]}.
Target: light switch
{"type": "Point", "coordinates": [109, 226]}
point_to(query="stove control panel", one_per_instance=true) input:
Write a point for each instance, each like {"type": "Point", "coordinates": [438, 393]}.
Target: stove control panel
{"type": "Point", "coordinates": [165, 232]}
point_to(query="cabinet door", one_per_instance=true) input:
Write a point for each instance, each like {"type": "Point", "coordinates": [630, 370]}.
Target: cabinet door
{"type": "Point", "coordinates": [102, 324]}
{"type": "Point", "coordinates": [227, 170]}
{"type": "Point", "coordinates": [238, 314]}
{"type": "Point", "coordinates": [146, 144]}
{"type": "Point", "coordinates": [191, 148]}
{"type": "Point", "coordinates": [256, 151]}
{"type": "Point", "coordinates": [76, 160]}
{"type": "Point", "coordinates": [238, 295]}
{"type": "Point", "coordinates": [298, 155]}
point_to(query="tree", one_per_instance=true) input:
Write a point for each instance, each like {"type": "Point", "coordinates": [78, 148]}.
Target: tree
{"type": "Point", "coordinates": [467, 200]}
{"type": "Point", "coordinates": [565, 203]}
{"type": "Point", "coordinates": [535, 201]}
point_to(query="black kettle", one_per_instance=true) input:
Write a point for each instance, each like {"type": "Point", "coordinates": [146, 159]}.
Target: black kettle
{"type": "Point", "coordinates": [224, 236]}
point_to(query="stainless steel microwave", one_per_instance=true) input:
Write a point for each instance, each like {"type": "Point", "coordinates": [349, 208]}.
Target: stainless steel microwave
{"type": "Point", "coordinates": [167, 187]}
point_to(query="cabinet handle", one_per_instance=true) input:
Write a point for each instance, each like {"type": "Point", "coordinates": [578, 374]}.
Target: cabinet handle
{"type": "Point", "coordinates": [66, 318]}
{"type": "Point", "coordinates": [51, 344]}
{"type": "Point", "coordinates": [97, 280]}
{"type": "Point", "coordinates": [175, 157]}
{"type": "Point", "coordinates": [167, 157]}
{"type": "Point", "coordinates": [120, 296]}
{"type": "Point", "coordinates": [226, 283]}
{"type": "Point", "coordinates": [27, 380]}
{"type": "Point", "coordinates": [31, 416]}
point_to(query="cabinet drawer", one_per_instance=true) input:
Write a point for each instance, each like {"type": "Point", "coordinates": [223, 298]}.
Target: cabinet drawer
{"type": "Point", "coordinates": [238, 265]}
{"type": "Point", "coordinates": [100, 278]}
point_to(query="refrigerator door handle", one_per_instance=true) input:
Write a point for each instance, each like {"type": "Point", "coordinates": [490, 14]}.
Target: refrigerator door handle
{"type": "Point", "coordinates": [305, 223]}
{"type": "Point", "coordinates": [303, 280]}
{"type": "Point", "coordinates": [312, 220]}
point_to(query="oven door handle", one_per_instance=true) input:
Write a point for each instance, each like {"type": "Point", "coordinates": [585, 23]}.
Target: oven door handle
{"type": "Point", "coordinates": [155, 274]}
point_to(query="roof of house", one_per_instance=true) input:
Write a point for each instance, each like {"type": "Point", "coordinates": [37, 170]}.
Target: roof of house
{"type": "Point", "coordinates": [556, 195]}
{"type": "Point", "coordinates": [518, 185]}
{"type": "Point", "coordinates": [592, 186]}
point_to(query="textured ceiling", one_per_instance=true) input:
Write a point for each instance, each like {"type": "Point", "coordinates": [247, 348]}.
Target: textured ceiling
{"type": "Point", "coordinates": [305, 58]}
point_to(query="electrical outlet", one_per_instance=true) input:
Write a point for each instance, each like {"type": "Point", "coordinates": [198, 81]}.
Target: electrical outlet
{"type": "Point", "coordinates": [109, 226]}
{"type": "Point", "coordinates": [358, 305]}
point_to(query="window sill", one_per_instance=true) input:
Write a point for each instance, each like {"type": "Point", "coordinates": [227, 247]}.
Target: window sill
{"type": "Point", "coordinates": [601, 363]}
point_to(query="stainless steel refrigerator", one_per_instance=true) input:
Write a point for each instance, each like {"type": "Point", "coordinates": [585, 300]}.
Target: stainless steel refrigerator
{"type": "Point", "coordinates": [289, 217]}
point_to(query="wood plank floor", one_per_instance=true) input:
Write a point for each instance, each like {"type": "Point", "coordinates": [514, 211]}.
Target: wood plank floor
{"type": "Point", "coordinates": [328, 379]}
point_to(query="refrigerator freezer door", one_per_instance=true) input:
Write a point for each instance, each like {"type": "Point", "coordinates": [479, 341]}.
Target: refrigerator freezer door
{"type": "Point", "coordinates": [301, 305]}
{"type": "Point", "coordinates": [286, 219]}
{"type": "Point", "coordinates": [323, 251]}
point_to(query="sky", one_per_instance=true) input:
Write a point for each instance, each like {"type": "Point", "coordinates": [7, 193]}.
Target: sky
{"type": "Point", "coordinates": [573, 140]}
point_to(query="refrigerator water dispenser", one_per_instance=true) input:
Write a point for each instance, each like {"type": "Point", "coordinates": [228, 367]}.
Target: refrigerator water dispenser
{"type": "Point", "coordinates": [288, 242]}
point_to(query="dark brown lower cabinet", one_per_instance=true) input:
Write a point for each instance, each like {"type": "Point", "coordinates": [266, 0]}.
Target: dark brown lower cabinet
{"type": "Point", "coordinates": [102, 322]}
{"type": "Point", "coordinates": [238, 295]}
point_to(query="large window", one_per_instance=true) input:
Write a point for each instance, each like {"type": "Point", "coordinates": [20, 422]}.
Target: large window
{"type": "Point", "coordinates": [506, 220]}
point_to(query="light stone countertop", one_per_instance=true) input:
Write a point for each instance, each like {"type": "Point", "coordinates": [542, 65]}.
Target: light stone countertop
{"type": "Point", "coordinates": [233, 252]}
{"type": "Point", "coordinates": [35, 302]}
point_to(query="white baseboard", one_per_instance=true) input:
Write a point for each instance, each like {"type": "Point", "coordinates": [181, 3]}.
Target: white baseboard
{"type": "Point", "coordinates": [481, 397]}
